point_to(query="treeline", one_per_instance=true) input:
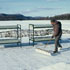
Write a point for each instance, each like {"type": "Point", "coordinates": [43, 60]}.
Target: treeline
{"type": "Point", "coordinates": [62, 17]}
{"type": "Point", "coordinates": [58, 17]}
{"type": "Point", "coordinates": [22, 17]}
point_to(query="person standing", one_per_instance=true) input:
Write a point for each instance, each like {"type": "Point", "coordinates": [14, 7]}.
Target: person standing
{"type": "Point", "coordinates": [57, 28]}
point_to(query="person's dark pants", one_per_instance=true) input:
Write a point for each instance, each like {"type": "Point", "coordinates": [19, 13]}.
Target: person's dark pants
{"type": "Point", "coordinates": [57, 44]}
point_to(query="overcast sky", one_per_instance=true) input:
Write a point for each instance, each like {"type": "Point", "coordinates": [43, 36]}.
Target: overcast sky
{"type": "Point", "coordinates": [35, 7]}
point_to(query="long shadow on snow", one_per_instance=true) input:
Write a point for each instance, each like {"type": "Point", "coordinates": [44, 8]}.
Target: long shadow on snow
{"type": "Point", "coordinates": [31, 44]}
{"type": "Point", "coordinates": [62, 50]}
{"type": "Point", "coordinates": [65, 49]}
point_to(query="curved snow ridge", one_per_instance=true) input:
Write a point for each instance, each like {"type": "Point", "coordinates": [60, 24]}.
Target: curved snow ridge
{"type": "Point", "coordinates": [58, 66]}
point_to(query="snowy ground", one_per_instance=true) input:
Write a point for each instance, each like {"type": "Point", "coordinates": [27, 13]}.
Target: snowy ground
{"type": "Point", "coordinates": [26, 58]}
{"type": "Point", "coordinates": [25, 24]}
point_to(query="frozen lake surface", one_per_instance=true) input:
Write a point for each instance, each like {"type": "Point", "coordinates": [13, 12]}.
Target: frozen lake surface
{"type": "Point", "coordinates": [25, 58]}
{"type": "Point", "coordinates": [25, 24]}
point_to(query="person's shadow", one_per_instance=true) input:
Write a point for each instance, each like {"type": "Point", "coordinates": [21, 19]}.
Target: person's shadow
{"type": "Point", "coordinates": [65, 49]}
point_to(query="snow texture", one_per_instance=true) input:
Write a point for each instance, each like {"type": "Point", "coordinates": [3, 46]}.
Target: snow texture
{"type": "Point", "coordinates": [26, 58]}
{"type": "Point", "coordinates": [60, 66]}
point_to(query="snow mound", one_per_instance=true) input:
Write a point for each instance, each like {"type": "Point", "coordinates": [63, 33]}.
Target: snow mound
{"type": "Point", "coordinates": [58, 66]}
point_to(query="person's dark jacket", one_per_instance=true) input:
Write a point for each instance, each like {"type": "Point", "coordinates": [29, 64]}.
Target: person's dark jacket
{"type": "Point", "coordinates": [57, 29]}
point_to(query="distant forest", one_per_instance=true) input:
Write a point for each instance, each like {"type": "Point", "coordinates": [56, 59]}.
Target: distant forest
{"type": "Point", "coordinates": [4, 17]}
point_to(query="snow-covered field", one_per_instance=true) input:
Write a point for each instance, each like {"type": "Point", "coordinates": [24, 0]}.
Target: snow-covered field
{"type": "Point", "coordinates": [26, 58]}
{"type": "Point", "coordinates": [25, 24]}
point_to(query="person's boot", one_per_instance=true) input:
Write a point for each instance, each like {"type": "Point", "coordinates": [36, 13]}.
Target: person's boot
{"type": "Point", "coordinates": [55, 51]}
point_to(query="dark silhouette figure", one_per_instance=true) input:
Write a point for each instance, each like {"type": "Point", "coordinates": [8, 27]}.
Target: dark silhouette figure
{"type": "Point", "coordinates": [57, 27]}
